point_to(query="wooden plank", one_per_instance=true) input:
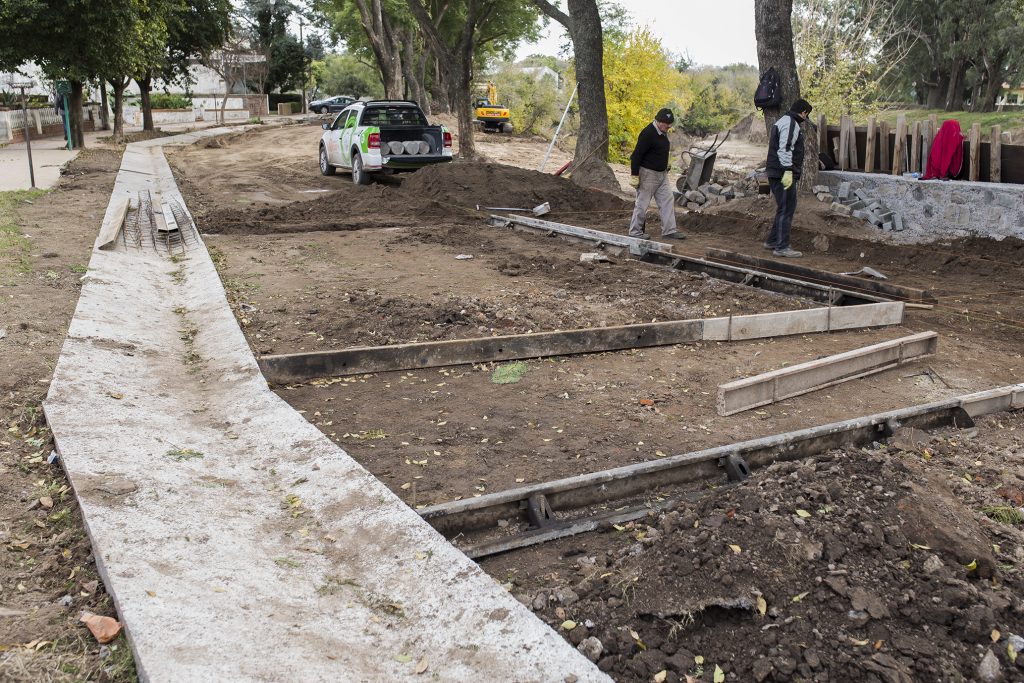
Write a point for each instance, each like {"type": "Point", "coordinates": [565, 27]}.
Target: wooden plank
{"type": "Point", "coordinates": [822, 133]}
{"type": "Point", "coordinates": [599, 487]}
{"type": "Point", "coordinates": [975, 153]}
{"type": "Point", "coordinates": [869, 150]}
{"type": "Point", "coordinates": [926, 145]}
{"type": "Point", "coordinates": [886, 289]}
{"type": "Point", "coordinates": [853, 157]}
{"type": "Point", "coordinates": [636, 246]}
{"type": "Point", "coordinates": [883, 141]}
{"type": "Point", "coordinates": [899, 149]}
{"type": "Point", "coordinates": [785, 323]}
{"type": "Point", "coordinates": [300, 367]}
{"type": "Point", "coordinates": [844, 143]}
{"type": "Point", "coordinates": [915, 147]}
{"type": "Point", "coordinates": [771, 387]}
{"type": "Point", "coordinates": [933, 128]}
{"type": "Point", "coordinates": [995, 155]}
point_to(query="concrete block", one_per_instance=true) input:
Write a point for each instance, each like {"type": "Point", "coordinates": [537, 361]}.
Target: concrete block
{"type": "Point", "coordinates": [862, 215]}
{"type": "Point", "coordinates": [854, 206]}
{"type": "Point", "coordinates": [695, 196]}
{"type": "Point", "coordinates": [862, 195]}
{"type": "Point", "coordinates": [897, 222]}
{"type": "Point", "coordinates": [715, 188]}
{"type": "Point", "coordinates": [841, 209]}
{"type": "Point", "coordinates": [825, 197]}
{"type": "Point", "coordinates": [738, 194]}
{"type": "Point", "coordinates": [874, 206]}
{"type": "Point", "coordinates": [886, 226]}
{"type": "Point", "coordinates": [844, 191]}
{"type": "Point", "coordinates": [820, 189]}
{"type": "Point", "coordinates": [729, 192]}
{"type": "Point", "coordinates": [693, 206]}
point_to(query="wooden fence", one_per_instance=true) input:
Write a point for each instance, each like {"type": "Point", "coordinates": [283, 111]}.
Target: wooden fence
{"type": "Point", "coordinates": [879, 148]}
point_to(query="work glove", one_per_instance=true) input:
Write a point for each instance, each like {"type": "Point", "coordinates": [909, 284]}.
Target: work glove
{"type": "Point", "coordinates": [634, 180]}
{"type": "Point", "coordinates": [787, 180]}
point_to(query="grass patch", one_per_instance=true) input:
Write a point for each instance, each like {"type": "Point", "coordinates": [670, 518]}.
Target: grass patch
{"type": "Point", "coordinates": [509, 373]}
{"type": "Point", "coordinates": [15, 248]}
{"type": "Point", "coordinates": [1005, 514]}
{"type": "Point", "coordinates": [1007, 119]}
{"type": "Point", "coordinates": [182, 454]}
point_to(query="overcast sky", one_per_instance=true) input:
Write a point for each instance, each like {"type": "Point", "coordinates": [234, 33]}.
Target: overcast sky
{"type": "Point", "coordinates": [712, 32]}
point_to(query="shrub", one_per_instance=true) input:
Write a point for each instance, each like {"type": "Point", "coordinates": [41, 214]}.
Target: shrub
{"type": "Point", "coordinates": [160, 100]}
{"type": "Point", "coordinates": [276, 98]}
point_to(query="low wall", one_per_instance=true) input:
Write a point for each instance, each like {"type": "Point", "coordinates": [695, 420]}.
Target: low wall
{"type": "Point", "coordinates": [934, 209]}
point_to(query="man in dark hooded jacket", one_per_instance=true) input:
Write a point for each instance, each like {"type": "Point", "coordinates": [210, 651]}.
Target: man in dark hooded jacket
{"type": "Point", "coordinates": [785, 159]}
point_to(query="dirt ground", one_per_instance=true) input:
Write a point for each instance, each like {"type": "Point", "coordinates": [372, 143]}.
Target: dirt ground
{"type": "Point", "coordinates": [852, 592]}
{"type": "Point", "coordinates": [47, 574]}
{"type": "Point", "coordinates": [875, 584]}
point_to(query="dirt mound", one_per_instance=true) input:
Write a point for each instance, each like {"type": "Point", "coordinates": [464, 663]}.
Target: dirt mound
{"type": "Point", "coordinates": [447, 191]}
{"type": "Point", "coordinates": [825, 569]}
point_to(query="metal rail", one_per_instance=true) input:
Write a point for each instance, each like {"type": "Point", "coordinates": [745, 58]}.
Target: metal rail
{"type": "Point", "coordinates": [567, 507]}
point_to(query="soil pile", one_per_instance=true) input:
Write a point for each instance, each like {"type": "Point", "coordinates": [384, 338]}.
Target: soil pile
{"type": "Point", "coordinates": [856, 565]}
{"type": "Point", "coordinates": [442, 192]}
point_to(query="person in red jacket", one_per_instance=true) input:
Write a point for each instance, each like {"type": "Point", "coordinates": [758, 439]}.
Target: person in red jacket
{"type": "Point", "coordinates": [649, 162]}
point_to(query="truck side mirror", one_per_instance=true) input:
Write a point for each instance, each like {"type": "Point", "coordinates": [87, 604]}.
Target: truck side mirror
{"type": "Point", "coordinates": [325, 125]}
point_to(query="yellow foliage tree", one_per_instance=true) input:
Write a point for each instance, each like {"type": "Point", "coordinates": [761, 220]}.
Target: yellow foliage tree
{"type": "Point", "coordinates": [639, 80]}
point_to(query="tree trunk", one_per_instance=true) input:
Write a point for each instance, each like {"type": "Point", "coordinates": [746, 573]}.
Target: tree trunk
{"type": "Point", "coordinates": [75, 105]}
{"type": "Point", "coordinates": [384, 45]}
{"type": "Point", "coordinates": [954, 90]}
{"type": "Point", "coordinates": [118, 88]}
{"type": "Point", "coordinates": [588, 49]}
{"type": "Point", "coordinates": [145, 86]}
{"type": "Point", "coordinates": [413, 84]}
{"type": "Point", "coordinates": [994, 76]}
{"type": "Point", "coordinates": [104, 111]}
{"type": "Point", "coordinates": [439, 92]}
{"type": "Point", "coordinates": [937, 91]}
{"type": "Point", "coordinates": [773, 27]}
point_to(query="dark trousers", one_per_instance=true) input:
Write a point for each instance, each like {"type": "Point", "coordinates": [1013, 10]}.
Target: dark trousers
{"type": "Point", "coordinates": [785, 200]}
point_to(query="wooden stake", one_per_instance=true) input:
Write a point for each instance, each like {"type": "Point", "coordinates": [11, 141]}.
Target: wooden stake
{"type": "Point", "coordinates": [822, 133]}
{"type": "Point", "coordinates": [844, 143]}
{"type": "Point", "coordinates": [869, 151]}
{"type": "Point", "coordinates": [933, 121]}
{"type": "Point", "coordinates": [854, 157]}
{"type": "Point", "coordinates": [899, 151]}
{"type": "Point", "coordinates": [926, 144]}
{"type": "Point", "coordinates": [975, 150]}
{"type": "Point", "coordinates": [915, 147]}
{"type": "Point", "coordinates": [995, 155]}
{"type": "Point", "coordinates": [883, 141]}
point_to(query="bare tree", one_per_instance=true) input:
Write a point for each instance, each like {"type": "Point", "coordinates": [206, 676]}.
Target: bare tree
{"type": "Point", "coordinates": [227, 62]}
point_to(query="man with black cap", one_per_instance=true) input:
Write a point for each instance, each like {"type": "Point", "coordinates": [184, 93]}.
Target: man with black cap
{"type": "Point", "coordinates": [649, 161]}
{"type": "Point", "coordinates": [785, 159]}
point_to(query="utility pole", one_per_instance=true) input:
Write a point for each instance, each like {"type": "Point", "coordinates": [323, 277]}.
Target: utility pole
{"type": "Point", "coordinates": [302, 44]}
{"type": "Point", "coordinates": [28, 136]}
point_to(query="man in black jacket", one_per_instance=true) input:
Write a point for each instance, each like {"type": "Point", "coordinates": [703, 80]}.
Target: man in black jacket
{"type": "Point", "coordinates": [649, 161]}
{"type": "Point", "coordinates": [785, 159]}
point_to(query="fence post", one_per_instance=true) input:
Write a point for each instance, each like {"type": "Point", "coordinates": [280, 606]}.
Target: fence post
{"type": "Point", "coordinates": [844, 143]}
{"type": "Point", "coordinates": [822, 133]}
{"type": "Point", "coordinates": [995, 154]}
{"type": "Point", "coordinates": [915, 147]}
{"type": "Point", "coordinates": [883, 141]}
{"type": "Point", "coordinates": [869, 149]}
{"type": "Point", "coordinates": [975, 150]}
{"type": "Point", "coordinates": [900, 148]}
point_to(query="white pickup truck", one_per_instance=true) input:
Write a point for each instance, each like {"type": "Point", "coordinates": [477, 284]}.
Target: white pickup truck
{"type": "Point", "coordinates": [382, 136]}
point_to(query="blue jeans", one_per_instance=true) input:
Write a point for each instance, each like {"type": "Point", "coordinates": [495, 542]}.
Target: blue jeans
{"type": "Point", "coordinates": [785, 200]}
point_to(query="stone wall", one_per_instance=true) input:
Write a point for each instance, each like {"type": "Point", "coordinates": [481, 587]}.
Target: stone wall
{"type": "Point", "coordinates": [937, 209]}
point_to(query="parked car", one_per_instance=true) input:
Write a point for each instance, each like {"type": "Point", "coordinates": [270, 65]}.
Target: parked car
{"type": "Point", "coordinates": [330, 104]}
{"type": "Point", "coordinates": [387, 136]}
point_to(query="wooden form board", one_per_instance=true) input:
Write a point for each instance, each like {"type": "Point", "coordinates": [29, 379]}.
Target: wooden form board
{"type": "Point", "coordinates": [899, 151]}
{"type": "Point", "coordinates": [300, 367]}
{"type": "Point", "coordinates": [770, 387]}
{"type": "Point", "coordinates": [995, 153]}
{"type": "Point", "coordinates": [869, 151]}
{"type": "Point", "coordinates": [974, 172]}
{"type": "Point", "coordinates": [599, 487]}
{"type": "Point", "coordinates": [885, 289]}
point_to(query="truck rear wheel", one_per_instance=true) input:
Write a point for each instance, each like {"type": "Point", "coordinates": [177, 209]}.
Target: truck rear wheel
{"type": "Point", "coordinates": [359, 175]}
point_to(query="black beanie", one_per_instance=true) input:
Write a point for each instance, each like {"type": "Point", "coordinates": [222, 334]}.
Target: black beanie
{"type": "Point", "coordinates": [800, 106]}
{"type": "Point", "coordinates": [665, 116]}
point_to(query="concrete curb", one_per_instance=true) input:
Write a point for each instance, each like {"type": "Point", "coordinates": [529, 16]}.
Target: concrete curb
{"type": "Point", "coordinates": [238, 542]}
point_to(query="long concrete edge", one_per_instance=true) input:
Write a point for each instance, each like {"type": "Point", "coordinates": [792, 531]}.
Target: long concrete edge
{"type": "Point", "coordinates": [1000, 399]}
{"type": "Point", "coordinates": [795, 380]}
{"type": "Point", "coordinates": [237, 541]}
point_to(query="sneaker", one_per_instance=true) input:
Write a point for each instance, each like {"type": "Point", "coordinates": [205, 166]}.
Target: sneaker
{"type": "Point", "coordinates": [770, 247]}
{"type": "Point", "coordinates": [674, 236]}
{"type": "Point", "coordinates": [787, 253]}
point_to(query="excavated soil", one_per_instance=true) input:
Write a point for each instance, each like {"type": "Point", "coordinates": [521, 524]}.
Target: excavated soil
{"type": "Point", "coordinates": [892, 570]}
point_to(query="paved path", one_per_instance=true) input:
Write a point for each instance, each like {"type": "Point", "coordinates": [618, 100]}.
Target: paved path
{"type": "Point", "coordinates": [238, 542]}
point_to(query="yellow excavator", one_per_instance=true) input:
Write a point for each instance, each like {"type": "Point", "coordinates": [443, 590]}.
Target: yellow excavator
{"type": "Point", "coordinates": [494, 117]}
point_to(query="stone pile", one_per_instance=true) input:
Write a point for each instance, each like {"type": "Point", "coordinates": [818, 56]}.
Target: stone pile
{"type": "Point", "coordinates": [711, 194]}
{"type": "Point", "coordinates": [855, 202]}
